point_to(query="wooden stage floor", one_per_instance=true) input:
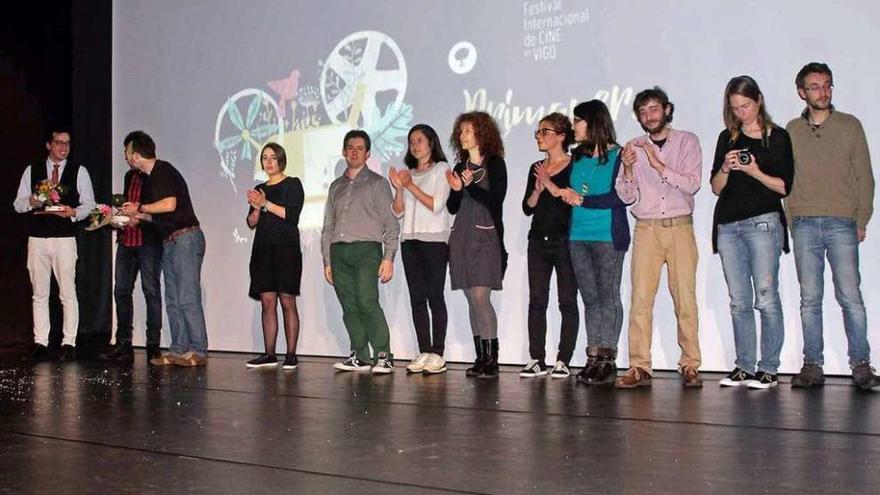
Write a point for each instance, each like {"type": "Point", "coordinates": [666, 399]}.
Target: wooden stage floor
{"type": "Point", "coordinates": [84, 428]}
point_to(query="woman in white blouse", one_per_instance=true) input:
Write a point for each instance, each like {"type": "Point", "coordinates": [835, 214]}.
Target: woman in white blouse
{"type": "Point", "coordinates": [420, 197]}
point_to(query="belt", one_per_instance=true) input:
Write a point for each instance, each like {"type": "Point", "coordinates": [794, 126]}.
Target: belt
{"type": "Point", "coordinates": [666, 222]}
{"type": "Point", "coordinates": [179, 232]}
{"type": "Point", "coordinates": [550, 238]}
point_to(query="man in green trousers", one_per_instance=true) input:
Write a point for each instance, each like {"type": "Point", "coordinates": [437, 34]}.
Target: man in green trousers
{"type": "Point", "coordinates": [358, 243]}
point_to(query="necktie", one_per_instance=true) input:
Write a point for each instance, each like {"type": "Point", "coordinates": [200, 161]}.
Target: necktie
{"type": "Point", "coordinates": [55, 167]}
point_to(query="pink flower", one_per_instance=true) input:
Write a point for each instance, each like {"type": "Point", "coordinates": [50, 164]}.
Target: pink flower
{"type": "Point", "coordinates": [54, 196]}
{"type": "Point", "coordinates": [104, 209]}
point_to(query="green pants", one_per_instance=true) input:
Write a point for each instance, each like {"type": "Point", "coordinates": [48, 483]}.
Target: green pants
{"type": "Point", "coordinates": [355, 269]}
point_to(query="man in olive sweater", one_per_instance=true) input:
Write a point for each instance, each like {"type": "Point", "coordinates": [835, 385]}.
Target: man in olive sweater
{"type": "Point", "coordinates": [829, 209]}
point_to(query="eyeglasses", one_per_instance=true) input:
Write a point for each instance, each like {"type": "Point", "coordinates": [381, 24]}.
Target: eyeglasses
{"type": "Point", "coordinates": [60, 143]}
{"type": "Point", "coordinates": [815, 88]}
{"type": "Point", "coordinates": [544, 131]}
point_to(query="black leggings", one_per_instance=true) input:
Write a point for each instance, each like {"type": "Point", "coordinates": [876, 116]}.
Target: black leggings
{"type": "Point", "coordinates": [424, 264]}
{"type": "Point", "coordinates": [543, 258]}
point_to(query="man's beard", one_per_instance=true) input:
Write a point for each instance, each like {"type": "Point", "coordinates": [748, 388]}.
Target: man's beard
{"type": "Point", "coordinates": [816, 105]}
{"type": "Point", "coordinates": [659, 127]}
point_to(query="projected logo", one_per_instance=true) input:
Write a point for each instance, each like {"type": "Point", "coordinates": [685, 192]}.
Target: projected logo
{"type": "Point", "coordinates": [360, 85]}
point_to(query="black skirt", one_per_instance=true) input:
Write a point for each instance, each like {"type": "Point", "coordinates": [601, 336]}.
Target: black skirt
{"type": "Point", "coordinates": [275, 268]}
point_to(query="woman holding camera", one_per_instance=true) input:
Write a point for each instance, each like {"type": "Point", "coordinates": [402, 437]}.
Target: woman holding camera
{"type": "Point", "coordinates": [752, 172]}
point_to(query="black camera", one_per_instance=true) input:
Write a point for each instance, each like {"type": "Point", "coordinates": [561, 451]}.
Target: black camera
{"type": "Point", "coordinates": [743, 157]}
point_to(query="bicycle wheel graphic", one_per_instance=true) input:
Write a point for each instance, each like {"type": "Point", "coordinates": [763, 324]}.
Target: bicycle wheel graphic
{"type": "Point", "coordinates": [245, 123]}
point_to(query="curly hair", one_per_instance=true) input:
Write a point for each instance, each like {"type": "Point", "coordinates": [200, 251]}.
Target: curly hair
{"type": "Point", "coordinates": [485, 130]}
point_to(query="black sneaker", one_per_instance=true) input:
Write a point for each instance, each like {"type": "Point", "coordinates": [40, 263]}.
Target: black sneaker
{"type": "Point", "coordinates": [384, 363]}
{"type": "Point", "coordinates": [533, 368]}
{"type": "Point", "coordinates": [763, 380]}
{"type": "Point", "coordinates": [352, 363]}
{"type": "Point", "coordinates": [560, 370]}
{"type": "Point", "coordinates": [863, 377]}
{"type": "Point", "coordinates": [737, 378]}
{"type": "Point", "coordinates": [67, 353]}
{"type": "Point", "coordinates": [811, 375]}
{"type": "Point", "coordinates": [290, 362]}
{"type": "Point", "coordinates": [263, 361]}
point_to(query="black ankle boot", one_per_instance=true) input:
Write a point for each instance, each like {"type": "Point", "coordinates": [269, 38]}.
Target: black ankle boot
{"type": "Point", "coordinates": [586, 375]}
{"type": "Point", "coordinates": [606, 367]}
{"type": "Point", "coordinates": [490, 350]}
{"type": "Point", "coordinates": [479, 362]}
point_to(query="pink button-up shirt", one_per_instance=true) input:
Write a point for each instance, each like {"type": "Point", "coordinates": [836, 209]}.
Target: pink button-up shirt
{"type": "Point", "coordinates": [671, 194]}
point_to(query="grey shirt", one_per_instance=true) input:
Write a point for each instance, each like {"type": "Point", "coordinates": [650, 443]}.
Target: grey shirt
{"type": "Point", "coordinates": [360, 210]}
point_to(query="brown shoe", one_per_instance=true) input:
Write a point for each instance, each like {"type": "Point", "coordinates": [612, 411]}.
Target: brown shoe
{"type": "Point", "coordinates": [634, 377]}
{"type": "Point", "coordinates": [191, 359]}
{"type": "Point", "coordinates": [691, 377]}
{"type": "Point", "coordinates": [165, 359]}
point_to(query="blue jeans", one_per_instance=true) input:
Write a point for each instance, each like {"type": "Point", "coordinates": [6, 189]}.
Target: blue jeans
{"type": "Point", "coordinates": [750, 252]}
{"type": "Point", "coordinates": [816, 238]}
{"type": "Point", "coordinates": [182, 266]}
{"type": "Point", "coordinates": [129, 261]}
{"type": "Point", "coordinates": [598, 269]}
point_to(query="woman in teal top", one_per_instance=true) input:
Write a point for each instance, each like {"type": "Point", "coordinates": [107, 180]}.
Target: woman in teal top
{"type": "Point", "coordinates": [599, 236]}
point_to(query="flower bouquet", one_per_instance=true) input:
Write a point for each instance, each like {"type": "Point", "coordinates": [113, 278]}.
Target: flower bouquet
{"type": "Point", "coordinates": [99, 216]}
{"type": "Point", "coordinates": [118, 219]}
{"type": "Point", "coordinates": [49, 195]}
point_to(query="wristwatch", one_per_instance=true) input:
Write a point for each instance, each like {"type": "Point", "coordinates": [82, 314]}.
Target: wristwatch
{"type": "Point", "coordinates": [265, 207]}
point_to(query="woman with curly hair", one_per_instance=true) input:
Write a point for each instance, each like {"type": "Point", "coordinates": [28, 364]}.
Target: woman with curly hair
{"type": "Point", "coordinates": [477, 258]}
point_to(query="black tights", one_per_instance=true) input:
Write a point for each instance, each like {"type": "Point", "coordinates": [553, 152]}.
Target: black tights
{"type": "Point", "coordinates": [269, 302]}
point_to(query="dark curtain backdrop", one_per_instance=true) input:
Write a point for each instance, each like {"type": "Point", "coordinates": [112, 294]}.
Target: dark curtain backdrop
{"type": "Point", "coordinates": [55, 68]}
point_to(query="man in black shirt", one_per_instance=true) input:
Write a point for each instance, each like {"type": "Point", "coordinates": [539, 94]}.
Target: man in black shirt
{"type": "Point", "coordinates": [183, 251]}
{"type": "Point", "coordinates": [138, 249]}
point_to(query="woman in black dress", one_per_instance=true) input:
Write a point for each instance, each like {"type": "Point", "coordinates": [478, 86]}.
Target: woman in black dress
{"type": "Point", "coordinates": [477, 257]}
{"type": "Point", "coordinates": [276, 259]}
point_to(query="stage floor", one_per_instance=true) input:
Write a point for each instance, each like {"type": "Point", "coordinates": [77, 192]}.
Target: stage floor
{"type": "Point", "coordinates": [83, 428]}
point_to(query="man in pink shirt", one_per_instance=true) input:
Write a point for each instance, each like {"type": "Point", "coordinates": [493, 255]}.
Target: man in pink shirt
{"type": "Point", "coordinates": [661, 173]}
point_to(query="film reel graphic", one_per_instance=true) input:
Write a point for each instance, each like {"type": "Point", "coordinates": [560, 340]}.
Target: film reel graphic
{"type": "Point", "coordinates": [353, 62]}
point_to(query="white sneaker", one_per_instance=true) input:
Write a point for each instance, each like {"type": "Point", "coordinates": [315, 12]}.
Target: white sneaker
{"type": "Point", "coordinates": [384, 363]}
{"type": "Point", "coordinates": [434, 364]}
{"type": "Point", "coordinates": [533, 368]}
{"type": "Point", "coordinates": [418, 364]}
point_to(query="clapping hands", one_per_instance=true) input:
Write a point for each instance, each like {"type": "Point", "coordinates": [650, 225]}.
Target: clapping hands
{"type": "Point", "coordinates": [256, 198]}
{"type": "Point", "coordinates": [454, 180]}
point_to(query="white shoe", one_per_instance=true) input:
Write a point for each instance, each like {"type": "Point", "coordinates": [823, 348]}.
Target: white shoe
{"type": "Point", "coordinates": [434, 364]}
{"type": "Point", "coordinates": [418, 364]}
